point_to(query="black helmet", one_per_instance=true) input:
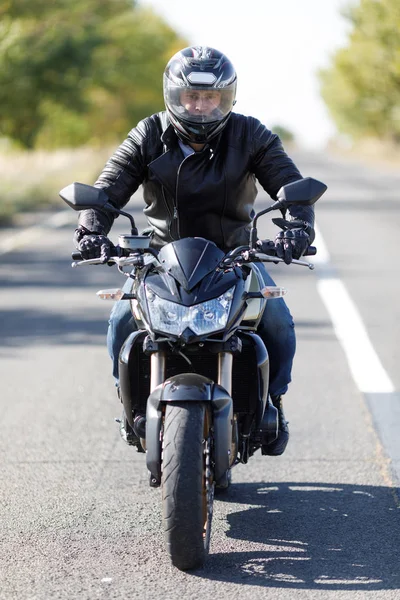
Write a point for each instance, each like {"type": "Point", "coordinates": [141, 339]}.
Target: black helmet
{"type": "Point", "coordinates": [204, 73]}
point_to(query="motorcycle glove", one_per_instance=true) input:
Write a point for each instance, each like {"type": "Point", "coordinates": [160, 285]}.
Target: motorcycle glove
{"type": "Point", "coordinates": [266, 247]}
{"type": "Point", "coordinates": [294, 240]}
{"type": "Point", "coordinates": [93, 245]}
{"type": "Point", "coordinates": [291, 244]}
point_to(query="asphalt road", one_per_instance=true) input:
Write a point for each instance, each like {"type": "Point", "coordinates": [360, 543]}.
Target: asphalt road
{"type": "Point", "coordinates": [77, 518]}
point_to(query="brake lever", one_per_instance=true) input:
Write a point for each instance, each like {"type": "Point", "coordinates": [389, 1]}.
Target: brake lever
{"type": "Point", "coordinates": [276, 260]}
{"type": "Point", "coordinates": [90, 261]}
{"type": "Point", "coordinates": [252, 256]}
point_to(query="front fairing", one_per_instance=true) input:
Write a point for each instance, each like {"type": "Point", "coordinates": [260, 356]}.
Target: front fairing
{"type": "Point", "coordinates": [189, 275]}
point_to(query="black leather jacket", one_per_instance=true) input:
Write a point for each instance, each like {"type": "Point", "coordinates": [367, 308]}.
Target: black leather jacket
{"type": "Point", "coordinates": [207, 194]}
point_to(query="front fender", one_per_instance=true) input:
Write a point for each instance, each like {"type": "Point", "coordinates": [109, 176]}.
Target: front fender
{"type": "Point", "coordinates": [190, 387]}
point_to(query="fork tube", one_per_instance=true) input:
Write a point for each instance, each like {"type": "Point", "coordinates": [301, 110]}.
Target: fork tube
{"type": "Point", "coordinates": [157, 369]}
{"type": "Point", "coordinates": [225, 362]}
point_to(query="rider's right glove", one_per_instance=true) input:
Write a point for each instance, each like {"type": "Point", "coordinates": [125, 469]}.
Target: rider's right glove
{"type": "Point", "coordinates": [92, 245]}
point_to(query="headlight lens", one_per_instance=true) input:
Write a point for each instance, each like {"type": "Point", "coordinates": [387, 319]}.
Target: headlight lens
{"type": "Point", "coordinates": [207, 317]}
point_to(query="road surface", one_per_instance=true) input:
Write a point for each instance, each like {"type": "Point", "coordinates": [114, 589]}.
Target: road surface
{"type": "Point", "coordinates": [78, 519]}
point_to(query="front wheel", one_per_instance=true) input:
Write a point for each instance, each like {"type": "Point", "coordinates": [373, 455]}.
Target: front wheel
{"type": "Point", "coordinates": [187, 483]}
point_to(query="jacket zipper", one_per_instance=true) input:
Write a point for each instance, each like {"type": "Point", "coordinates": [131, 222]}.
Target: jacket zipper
{"type": "Point", "coordinates": [169, 213]}
{"type": "Point", "coordinates": [176, 213]}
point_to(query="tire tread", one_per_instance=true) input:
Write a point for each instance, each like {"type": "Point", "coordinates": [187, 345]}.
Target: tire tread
{"type": "Point", "coordinates": [182, 483]}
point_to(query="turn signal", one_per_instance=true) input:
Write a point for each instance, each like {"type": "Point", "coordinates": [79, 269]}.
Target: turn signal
{"type": "Point", "coordinates": [273, 291]}
{"type": "Point", "coordinates": [113, 294]}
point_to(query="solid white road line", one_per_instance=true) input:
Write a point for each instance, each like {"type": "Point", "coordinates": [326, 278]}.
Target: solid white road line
{"type": "Point", "coordinates": [366, 368]}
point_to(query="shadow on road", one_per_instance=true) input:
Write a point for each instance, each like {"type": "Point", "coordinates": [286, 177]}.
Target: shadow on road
{"type": "Point", "coordinates": [20, 327]}
{"type": "Point", "coordinates": [40, 270]}
{"type": "Point", "coordinates": [45, 301]}
{"type": "Point", "coordinates": [312, 536]}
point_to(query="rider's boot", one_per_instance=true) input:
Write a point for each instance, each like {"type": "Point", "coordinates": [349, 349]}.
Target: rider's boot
{"type": "Point", "coordinates": [126, 431]}
{"type": "Point", "coordinates": [278, 446]}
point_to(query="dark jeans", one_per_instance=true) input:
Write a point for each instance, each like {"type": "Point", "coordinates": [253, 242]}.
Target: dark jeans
{"type": "Point", "coordinates": [276, 329]}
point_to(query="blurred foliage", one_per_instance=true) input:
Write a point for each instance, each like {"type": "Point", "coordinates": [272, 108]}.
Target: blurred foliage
{"type": "Point", "coordinates": [362, 86]}
{"type": "Point", "coordinates": [79, 71]}
{"type": "Point", "coordinates": [285, 134]}
{"type": "Point", "coordinates": [31, 179]}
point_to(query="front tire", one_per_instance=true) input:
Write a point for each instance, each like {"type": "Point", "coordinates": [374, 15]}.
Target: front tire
{"type": "Point", "coordinates": [187, 486]}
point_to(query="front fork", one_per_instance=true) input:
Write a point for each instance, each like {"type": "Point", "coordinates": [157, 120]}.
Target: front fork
{"type": "Point", "coordinates": [224, 379]}
{"type": "Point", "coordinates": [157, 369]}
{"type": "Point", "coordinates": [192, 387]}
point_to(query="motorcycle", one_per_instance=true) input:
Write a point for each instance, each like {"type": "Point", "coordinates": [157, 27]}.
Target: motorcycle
{"type": "Point", "coordinates": [194, 376]}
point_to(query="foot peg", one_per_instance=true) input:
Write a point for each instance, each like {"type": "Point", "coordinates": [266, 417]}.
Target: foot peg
{"type": "Point", "coordinates": [126, 432]}
{"type": "Point", "coordinates": [139, 426]}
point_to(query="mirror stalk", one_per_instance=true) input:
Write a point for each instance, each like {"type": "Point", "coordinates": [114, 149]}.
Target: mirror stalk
{"type": "Point", "coordinates": [108, 206]}
{"type": "Point", "coordinates": [253, 230]}
{"type": "Point", "coordinates": [253, 238]}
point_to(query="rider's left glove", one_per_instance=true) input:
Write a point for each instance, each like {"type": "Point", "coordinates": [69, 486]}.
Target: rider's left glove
{"type": "Point", "coordinates": [291, 244]}
{"type": "Point", "coordinates": [294, 240]}
{"type": "Point", "coordinates": [93, 245]}
{"type": "Point", "coordinates": [266, 247]}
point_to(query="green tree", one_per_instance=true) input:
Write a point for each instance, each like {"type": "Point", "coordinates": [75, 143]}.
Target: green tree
{"type": "Point", "coordinates": [362, 87]}
{"type": "Point", "coordinates": [39, 62]}
{"type": "Point", "coordinates": [78, 71]}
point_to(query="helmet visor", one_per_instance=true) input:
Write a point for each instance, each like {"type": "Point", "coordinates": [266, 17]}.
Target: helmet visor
{"type": "Point", "coordinates": [199, 104]}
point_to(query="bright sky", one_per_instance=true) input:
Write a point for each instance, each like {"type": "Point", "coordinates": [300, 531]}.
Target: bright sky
{"type": "Point", "coordinates": [277, 48]}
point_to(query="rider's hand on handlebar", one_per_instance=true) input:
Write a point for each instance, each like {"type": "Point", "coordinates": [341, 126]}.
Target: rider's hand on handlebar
{"type": "Point", "coordinates": [95, 246]}
{"type": "Point", "coordinates": [92, 245]}
{"type": "Point", "coordinates": [266, 247]}
{"type": "Point", "coordinates": [291, 244]}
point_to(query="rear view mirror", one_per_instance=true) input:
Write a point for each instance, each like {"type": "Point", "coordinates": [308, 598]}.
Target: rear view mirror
{"type": "Point", "coordinates": [305, 191]}
{"type": "Point", "coordinates": [80, 196]}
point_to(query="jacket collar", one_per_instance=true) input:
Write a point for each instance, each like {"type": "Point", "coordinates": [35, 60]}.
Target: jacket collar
{"type": "Point", "coordinates": [170, 139]}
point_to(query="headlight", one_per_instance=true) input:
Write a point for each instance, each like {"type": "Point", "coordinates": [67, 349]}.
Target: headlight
{"type": "Point", "coordinates": [169, 317]}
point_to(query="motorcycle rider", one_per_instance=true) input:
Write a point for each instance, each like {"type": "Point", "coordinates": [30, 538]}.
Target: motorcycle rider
{"type": "Point", "coordinates": [197, 162]}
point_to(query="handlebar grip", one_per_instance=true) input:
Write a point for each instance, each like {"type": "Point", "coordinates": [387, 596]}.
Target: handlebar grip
{"type": "Point", "coordinates": [78, 255]}
{"type": "Point", "coordinates": [311, 251]}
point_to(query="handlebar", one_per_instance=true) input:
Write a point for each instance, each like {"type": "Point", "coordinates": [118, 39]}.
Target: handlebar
{"type": "Point", "coordinates": [118, 253]}
{"type": "Point", "coordinates": [311, 251]}
{"type": "Point", "coordinates": [122, 257]}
